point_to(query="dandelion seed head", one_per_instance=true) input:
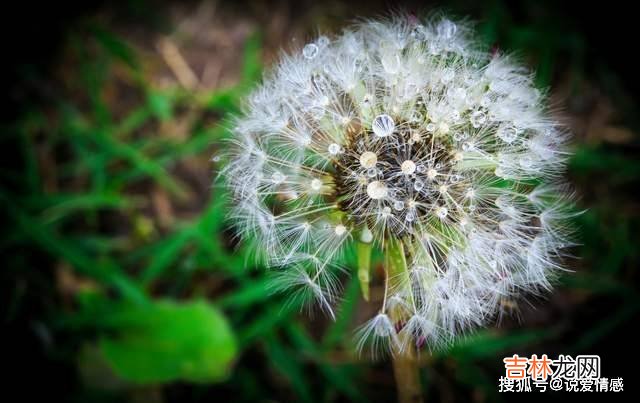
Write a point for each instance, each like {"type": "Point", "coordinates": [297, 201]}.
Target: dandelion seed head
{"type": "Point", "coordinates": [409, 131]}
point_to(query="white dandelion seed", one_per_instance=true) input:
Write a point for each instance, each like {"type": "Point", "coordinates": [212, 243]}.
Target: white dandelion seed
{"type": "Point", "coordinates": [408, 134]}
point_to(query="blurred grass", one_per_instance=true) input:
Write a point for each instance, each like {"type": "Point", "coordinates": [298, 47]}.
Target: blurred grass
{"type": "Point", "coordinates": [109, 196]}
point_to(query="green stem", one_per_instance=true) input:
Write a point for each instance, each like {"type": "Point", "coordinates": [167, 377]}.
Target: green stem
{"type": "Point", "coordinates": [406, 370]}
{"type": "Point", "coordinates": [364, 267]}
{"type": "Point", "coordinates": [406, 367]}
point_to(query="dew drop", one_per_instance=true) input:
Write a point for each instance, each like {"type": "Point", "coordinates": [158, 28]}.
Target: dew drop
{"type": "Point", "coordinates": [526, 161]}
{"type": "Point", "coordinates": [417, 33]}
{"type": "Point", "coordinates": [319, 82]}
{"type": "Point", "coordinates": [458, 94]}
{"type": "Point", "coordinates": [366, 101]}
{"type": "Point", "coordinates": [417, 117]}
{"type": "Point", "coordinates": [366, 235]}
{"type": "Point", "coordinates": [392, 193]}
{"type": "Point", "coordinates": [446, 29]}
{"type": "Point", "coordinates": [316, 184]}
{"type": "Point", "coordinates": [323, 41]}
{"type": "Point", "coordinates": [447, 76]}
{"type": "Point", "coordinates": [507, 133]}
{"type": "Point", "coordinates": [398, 205]}
{"type": "Point", "coordinates": [305, 140]}
{"type": "Point", "coordinates": [310, 51]}
{"type": "Point", "coordinates": [277, 177]}
{"type": "Point", "coordinates": [334, 149]}
{"type": "Point", "coordinates": [478, 118]}
{"type": "Point", "coordinates": [317, 112]}
{"type": "Point", "coordinates": [443, 128]}
{"type": "Point", "coordinates": [434, 48]}
{"type": "Point", "coordinates": [383, 125]}
{"type": "Point", "coordinates": [418, 185]}
{"type": "Point", "coordinates": [411, 216]}
{"type": "Point", "coordinates": [442, 212]}
{"type": "Point", "coordinates": [340, 230]}
{"type": "Point", "coordinates": [323, 101]}
{"type": "Point", "coordinates": [391, 63]}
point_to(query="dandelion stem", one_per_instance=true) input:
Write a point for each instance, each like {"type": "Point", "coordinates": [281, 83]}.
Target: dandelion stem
{"type": "Point", "coordinates": [406, 366]}
{"type": "Point", "coordinates": [406, 370]}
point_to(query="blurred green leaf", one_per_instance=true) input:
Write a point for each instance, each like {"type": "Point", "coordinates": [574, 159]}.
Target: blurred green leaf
{"type": "Point", "coordinates": [167, 252]}
{"type": "Point", "coordinates": [251, 293]}
{"type": "Point", "coordinates": [116, 47]}
{"type": "Point", "coordinates": [601, 329]}
{"type": "Point", "coordinates": [337, 376]}
{"type": "Point", "coordinates": [167, 341]}
{"type": "Point", "coordinates": [273, 315]}
{"type": "Point", "coordinates": [587, 160]}
{"type": "Point", "coordinates": [103, 269]}
{"type": "Point", "coordinates": [160, 104]}
{"type": "Point", "coordinates": [338, 328]}
{"type": "Point", "coordinates": [490, 343]}
{"type": "Point", "coordinates": [251, 64]}
{"type": "Point", "coordinates": [291, 369]}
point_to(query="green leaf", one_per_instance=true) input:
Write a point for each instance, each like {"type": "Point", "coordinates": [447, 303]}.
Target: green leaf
{"type": "Point", "coordinates": [160, 105]}
{"type": "Point", "coordinates": [337, 332]}
{"type": "Point", "coordinates": [338, 376]}
{"type": "Point", "coordinates": [291, 369]}
{"type": "Point", "coordinates": [167, 341]}
{"type": "Point", "coordinates": [140, 161]}
{"type": "Point", "coordinates": [253, 292]}
{"type": "Point", "coordinates": [601, 329]}
{"type": "Point", "coordinates": [103, 270]}
{"type": "Point", "coordinates": [116, 47]}
{"type": "Point", "coordinates": [489, 343]}
{"type": "Point", "coordinates": [167, 253]}
{"type": "Point", "coordinates": [251, 64]}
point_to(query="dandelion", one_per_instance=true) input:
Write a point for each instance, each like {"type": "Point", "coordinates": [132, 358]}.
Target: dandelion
{"type": "Point", "coordinates": [410, 138]}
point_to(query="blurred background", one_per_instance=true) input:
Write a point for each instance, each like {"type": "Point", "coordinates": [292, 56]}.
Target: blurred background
{"type": "Point", "coordinates": [121, 280]}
